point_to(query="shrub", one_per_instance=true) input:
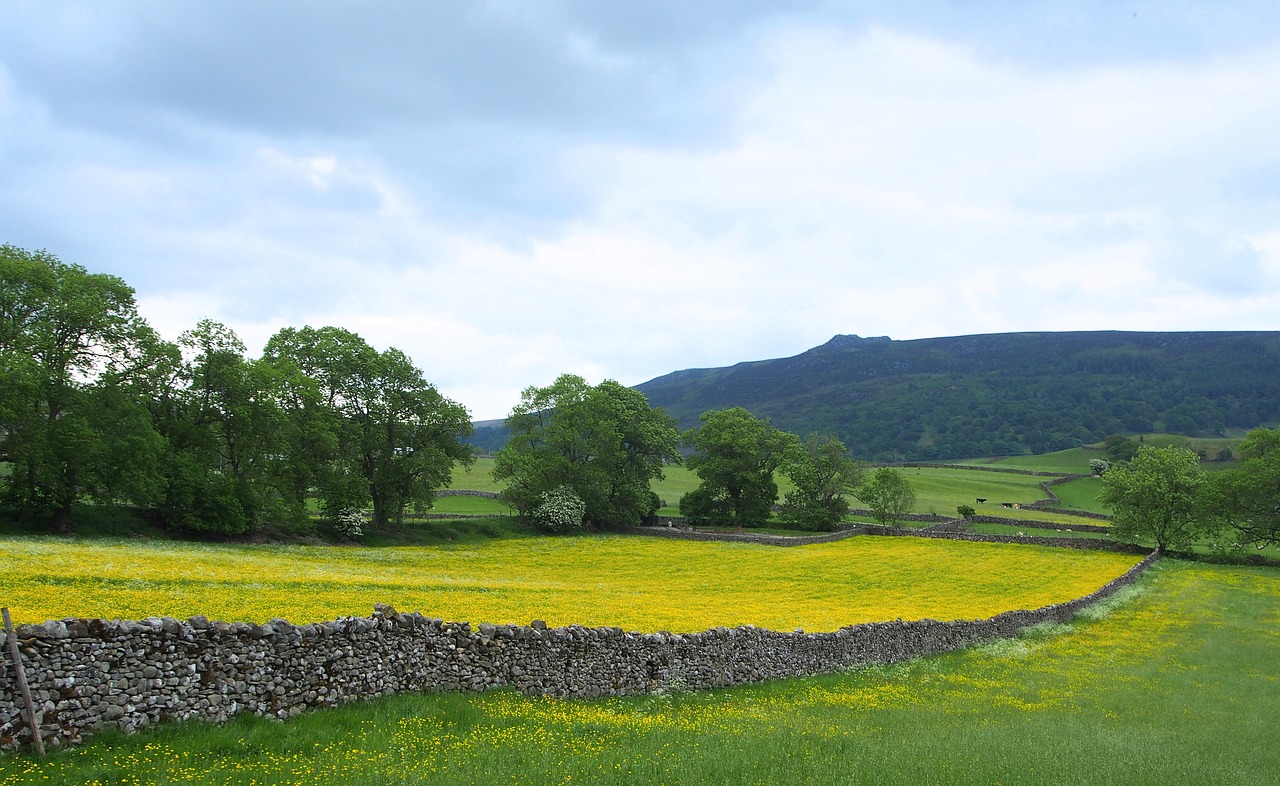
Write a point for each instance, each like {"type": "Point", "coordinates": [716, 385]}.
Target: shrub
{"type": "Point", "coordinates": [561, 510]}
{"type": "Point", "coordinates": [349, 522]}
{"type": "Point", "coordinates": [1099, 466]}
{"type": "Point", "coordinates": [966, 512]}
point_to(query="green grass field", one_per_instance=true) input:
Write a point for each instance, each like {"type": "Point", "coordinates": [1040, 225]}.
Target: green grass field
{"type": "Point", "coordinates": [939, 489]}
{"type": "Point", "coordinates": [1081, 494]}
{"type": "Point", "coordinates": [1173, 681]}
{"type": "Point", "coordinates": [1067, 462]}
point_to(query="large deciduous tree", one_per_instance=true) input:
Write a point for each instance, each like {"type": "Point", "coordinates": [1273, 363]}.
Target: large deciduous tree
{"type": "Point", "coordinates": [1157, 497]}
{"type": "Point", "coordinates": [225, 432]}
{"type": "Point", "coordinates": [735, 457]}
{"type": "Point", "coordinates": [604, 443]}
{"type": "Point", "coordinates": [73, 359]}
{"type": "Point", "coordinates": [367, 427]}
{"type": "Point", "coordinates": [1248, 497]}
{"type": "Point", "coordinates": [824, 476]}
{"type": "Point", "coordinates": [888, 494]}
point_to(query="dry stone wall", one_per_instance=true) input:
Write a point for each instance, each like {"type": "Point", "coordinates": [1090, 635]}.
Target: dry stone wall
{"type": "Point", "coordinates": [86, 674]}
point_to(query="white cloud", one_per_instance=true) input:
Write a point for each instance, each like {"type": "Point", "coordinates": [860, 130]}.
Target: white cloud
{"type": "Point", "coordinates": [798, 181]}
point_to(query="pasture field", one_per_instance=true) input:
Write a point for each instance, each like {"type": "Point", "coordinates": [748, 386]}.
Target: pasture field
{"type": "Point", "coordinates": [1081, 494]}
{"type": "Point", "coordinates": [477, 477]}
{"type": "Point", "coordinates": [939, 489]}
{"type": "Point", "coordinates": [637, 583]}
{"type": "Point", "coordinates": [1067, 462]}
{"type": "Point", "coordinates": [1065, 531]}
{"type": "Point", "coordinates": [1174, 680]}
{"type": "Point", "coordinates": [470, 506]}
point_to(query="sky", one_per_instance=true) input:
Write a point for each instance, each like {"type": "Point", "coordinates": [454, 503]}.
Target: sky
{"type": "Point", "coordinates": [509, 190]}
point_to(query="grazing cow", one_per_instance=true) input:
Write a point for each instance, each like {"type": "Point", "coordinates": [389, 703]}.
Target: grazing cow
{"type": "Point", "coordinates": [1007, 504]}
{"type": "Point", "coordinates": [981, 500]}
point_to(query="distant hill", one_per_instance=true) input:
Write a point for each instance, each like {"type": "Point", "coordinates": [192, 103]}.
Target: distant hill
{"type": "Point", "coordinates": [995, 394]}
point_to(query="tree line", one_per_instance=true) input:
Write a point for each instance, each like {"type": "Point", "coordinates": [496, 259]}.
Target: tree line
{"type": "Point", "coordinates": [586, 455]}
{"type": "Point", "coordinates": [96, 406]}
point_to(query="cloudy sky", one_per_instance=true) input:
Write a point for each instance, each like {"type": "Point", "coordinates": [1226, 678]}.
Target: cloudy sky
{"type": "Point", "coordinates": [513, 189]}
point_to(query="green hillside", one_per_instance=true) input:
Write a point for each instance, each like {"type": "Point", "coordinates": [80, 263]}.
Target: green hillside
{"type": "Point", "coordinates": [1003, 394]}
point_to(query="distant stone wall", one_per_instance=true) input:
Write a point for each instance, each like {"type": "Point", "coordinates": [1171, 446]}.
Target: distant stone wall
{"type": "Point", "coordinates": [679, 533]}
{"type": "Point", "coordinates": [466, 493]}
{"type": "Point", "coordinates": [1085, 544]}
{"type": "Point", "coordinates": [87, 674]}
{"type": "Point", "coordinates": [977, 468]}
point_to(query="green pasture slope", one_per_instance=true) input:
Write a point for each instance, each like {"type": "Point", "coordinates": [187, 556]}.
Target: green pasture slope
{"type": "Point", "coordinates": [939, 489]}
{"type": "Point", "coordinates": [1175, 680]}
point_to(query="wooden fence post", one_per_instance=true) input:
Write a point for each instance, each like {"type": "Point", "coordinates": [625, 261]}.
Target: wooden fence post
{"type": "Point", "coordinates": [22, 682]}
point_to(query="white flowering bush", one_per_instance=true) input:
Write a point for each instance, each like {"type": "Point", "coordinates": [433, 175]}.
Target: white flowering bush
{"type": "Point", "coordinates": [561, 510]}
{"type": "Point", "coordinates": [1099, 466]}
{"type": "Point", "coordinates": [349, 522]}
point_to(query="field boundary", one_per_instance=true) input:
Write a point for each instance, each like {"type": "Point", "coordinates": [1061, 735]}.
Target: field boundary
{"type": "Point", "coordinates": [88, 674]}
{"type": "Point", "coordinates": [942, 533]}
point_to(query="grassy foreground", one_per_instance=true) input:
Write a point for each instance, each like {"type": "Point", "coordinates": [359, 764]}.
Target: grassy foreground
{"type": "Point", "coordinates": [636, 583]}
{"type": "Point", "coordinates": [1175, 681]}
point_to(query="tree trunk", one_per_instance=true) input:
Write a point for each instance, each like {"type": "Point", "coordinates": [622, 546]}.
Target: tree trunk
{"type": "Point", "coordinates": [62, 516]}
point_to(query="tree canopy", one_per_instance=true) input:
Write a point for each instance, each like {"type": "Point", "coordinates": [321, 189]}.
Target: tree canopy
{"type": "Point", "coordinates": [735, 457]}
{"type": "Point", "coordinates": [1248, 497]}
{"type": "Point", "coordinates": [888, 494]}
{"type": "Point", "coordinates": [73, 351]}
{"type": "Point", "coordinates": [824, 477]}
{"type": "Point", "coordinates": [94, 406]}
{"type": "Point", "coordinates": [603, 443]}
{"type": "Point", "coordinates": [1157, 496]}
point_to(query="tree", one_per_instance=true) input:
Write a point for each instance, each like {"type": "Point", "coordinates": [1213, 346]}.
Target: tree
{"type": "Point", "coordinates": [73, 352]}
{"type": "Point", "coordinates": [888, 494]}
{"type": "Point", "coordinates": [603, 443]}
{"type": "Point", "coordinates": [1120, 447]}
{"type": "Point", "coordinates": [1157, 497]}
{"type": "Point", "coordinates": [367, 427]}
{"type": "Point", "coordinates": [1248, 497]}
{"type": "Point", "coordinates": [736, 456]}
{"type": "Point", "coordinates": [824, 476]}
{"type": "Point", "coordinates": [225, 433]}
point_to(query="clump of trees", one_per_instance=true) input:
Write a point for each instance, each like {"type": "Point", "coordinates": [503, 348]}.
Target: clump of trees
{"type": "Point", "coordinates": [736, 456]}
{"type": "Point", "coordinates": [96, 407]}
{"type": "Point", "coordinates": [825, 477]}
{"type": "Point", "coordinates": [1163, 495]}
{"type": "Point", "coordinates": [604, 443]}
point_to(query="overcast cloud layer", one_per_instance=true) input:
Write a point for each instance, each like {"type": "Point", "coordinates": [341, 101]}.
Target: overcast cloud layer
{"type": "Point", "coordinates": [510, 190]}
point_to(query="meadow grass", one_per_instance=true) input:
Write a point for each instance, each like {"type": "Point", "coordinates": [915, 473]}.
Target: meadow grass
{"type": "Point", "coordinates": [1067, 462]}
{"type": "Point", "coordinates": [939, 489]}
{"type": "Point", "coordinates": [477, 477]}
{"type": "Point", "coordinates": [470, 506]}
{"type": "Point", "coordinates": [1175, 680]}
{"type": "Point", "coordinates": [1082, 494]}
{"type": "Point", "coordinates": [643, 584]}
{"type": "Point", "coordinates": [982, 528]}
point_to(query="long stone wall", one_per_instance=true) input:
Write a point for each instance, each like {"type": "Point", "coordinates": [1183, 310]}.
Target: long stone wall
{"type": "Point", "coordinates": [87, 674]}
